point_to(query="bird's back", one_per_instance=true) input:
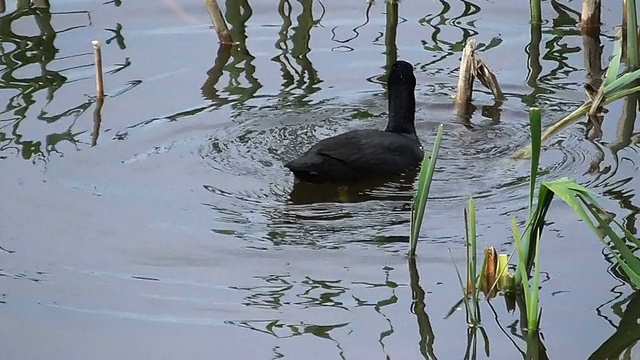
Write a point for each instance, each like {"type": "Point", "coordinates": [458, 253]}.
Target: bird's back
{"type": "Point", "coordinates": [358, 155]}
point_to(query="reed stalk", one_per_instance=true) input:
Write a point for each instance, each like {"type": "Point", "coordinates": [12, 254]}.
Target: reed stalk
{"type": "Point", "coordinates": [218, 21]}
{"type": "Point", "coordinates": [97, 52]}
{"type": "Point", "coordinates": [465, 78]}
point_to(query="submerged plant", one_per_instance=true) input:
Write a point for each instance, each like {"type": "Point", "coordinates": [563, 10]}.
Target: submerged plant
{"type": "Point", "coordinates": [424, 185]}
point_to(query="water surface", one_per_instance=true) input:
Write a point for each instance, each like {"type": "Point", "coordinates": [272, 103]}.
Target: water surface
{"type": "Point", "coordinates": [180, 233]}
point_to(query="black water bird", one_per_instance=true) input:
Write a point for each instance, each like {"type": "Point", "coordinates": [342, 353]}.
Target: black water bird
{"type": "Point", "coordinates": [361, 155]}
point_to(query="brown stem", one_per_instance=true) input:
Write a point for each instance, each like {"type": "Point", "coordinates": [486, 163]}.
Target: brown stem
{"type": "Point", "coordinates": [590, 16]}
{"type": "Point", "coordinates": [97, 52]}
{"type": "Point", "coordinates": [465, 79]}
{"type": "Point", "coordinates": [218, 21]}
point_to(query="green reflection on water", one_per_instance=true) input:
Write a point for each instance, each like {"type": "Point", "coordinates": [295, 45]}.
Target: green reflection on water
{"type": "Point", "coordinates": [24, 52]}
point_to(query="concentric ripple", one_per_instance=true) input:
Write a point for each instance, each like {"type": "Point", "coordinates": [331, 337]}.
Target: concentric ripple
{"type": "Point", "coordinates": [254, 197]}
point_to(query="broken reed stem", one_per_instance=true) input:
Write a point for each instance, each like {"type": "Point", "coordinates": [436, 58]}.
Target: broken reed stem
{"type": "Point", "coordinates": [471, 68]}
{"type": "Point", "coordinates": [465, 77]}
{"type": "Point", "coordinates": [218, 21]}
{"type": "Point", "coordinates": [488, 79]}
{"type": "Point", "coordinates": [97, 52]}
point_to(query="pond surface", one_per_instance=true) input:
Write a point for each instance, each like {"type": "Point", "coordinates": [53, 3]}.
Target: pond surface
{"type": "Point", "coordinates": [181, 235]}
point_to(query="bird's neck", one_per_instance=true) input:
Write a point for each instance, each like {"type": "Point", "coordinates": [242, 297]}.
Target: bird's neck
{"type": "Point", "coordinates": [402, 110]}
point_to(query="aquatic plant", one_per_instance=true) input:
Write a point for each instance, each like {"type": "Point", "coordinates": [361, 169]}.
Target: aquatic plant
{"type": "Point", "coordinates": [614, 87]}
{"type": "Point", "coordinates": [471, 292]}
{"type": "Point", "coordinates": [424, 184]}
{"type": "Point", "coordinates": [630, 19]}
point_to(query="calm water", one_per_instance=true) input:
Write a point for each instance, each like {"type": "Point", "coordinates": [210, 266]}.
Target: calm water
{"type": "Point", "coordinates": [181, 234]}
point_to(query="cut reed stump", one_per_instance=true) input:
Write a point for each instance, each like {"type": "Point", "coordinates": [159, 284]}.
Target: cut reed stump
{"type": "Point", "coordinates": [465, 77]}
{"type": "Point", "coordinates": [218, 21]}
{"type": "Point", "coordinates": [470, 68]}
{"type": "Point", "coordinates": [97, 53]}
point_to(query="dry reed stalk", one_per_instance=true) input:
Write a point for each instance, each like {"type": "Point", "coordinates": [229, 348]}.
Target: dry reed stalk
{"type": "Point", "coordinates": [3, 6]}
{"type": "Point", "coordinates": [471, 68]}
{"type": "Point", "coordinates": [218, 21]}
{"type": "Point", "coordinates": [466, 75]}
{"type": "Point", "coordinates": [97, 52]}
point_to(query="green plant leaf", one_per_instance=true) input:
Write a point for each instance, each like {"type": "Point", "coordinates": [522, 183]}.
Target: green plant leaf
{"type": "Point", "coordinates": [614, 68]}
{"type": "Point", "coordinates": [424, 184]}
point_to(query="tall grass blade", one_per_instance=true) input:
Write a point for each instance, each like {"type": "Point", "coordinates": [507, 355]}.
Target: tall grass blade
{"type": "Point", "coordinates": [535, 124]}
{"type": "Point", "coordinates": [521, 272]}
{"type": "Point", "coordinates": [622, 82]}
{"type": "Point", "coordinates": [534, 222]}
{"type": "Point", "coordinates": [536, 225]}
{"type": "Point", "coordinates": [424, 184]}
{"type": "Point", "coordinates": [614, 67]}
{"type": "Point", "coordinates": [533, 309]}
{"type": "Point", "coordinates": [632, 35]}
{"type": "Point", "coordinates": [530, 292]}
{"type": "Point", "coordinates": [472, 245]}
{"type": "Point", "coordinates": [465, 298]}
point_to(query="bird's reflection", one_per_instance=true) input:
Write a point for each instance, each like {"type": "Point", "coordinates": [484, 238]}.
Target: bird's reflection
{"type": "Point", "coordinates": [401, 185]}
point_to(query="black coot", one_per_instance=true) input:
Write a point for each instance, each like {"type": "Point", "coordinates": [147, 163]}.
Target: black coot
{"type": "Point", "coordinates": [360, 155]}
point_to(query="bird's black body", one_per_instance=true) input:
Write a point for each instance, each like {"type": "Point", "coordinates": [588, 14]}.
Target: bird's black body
{"type": "Point", "coordinates": [360, 155]}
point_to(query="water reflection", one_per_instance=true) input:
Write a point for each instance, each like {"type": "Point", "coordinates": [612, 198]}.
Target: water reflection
{"type": "Point", "coordinates": [398, 188]}
{"type": "Point", "coordinates": [117, 37]}
{"type": "Point", "coordinates": [355, 30]}
{"type": "Point", "coordinates": [286, 293]}
{"type": "Point", "coordinates": [236, 60]}
{"type": "Point", "coordinates": [438, 22]}
{"type": "Point", "coordinates": [418, 307]}
{"type": "Point", "coordinates": [627, 333]}
{"type": "Point", "coordinates": [21, 53]}
{"type": "Point", "coordinates": [238, 13]}
{"type": "Point", "coordinates": [298, 84]}
{"type": "Point", "coordinates": [214, 74]}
